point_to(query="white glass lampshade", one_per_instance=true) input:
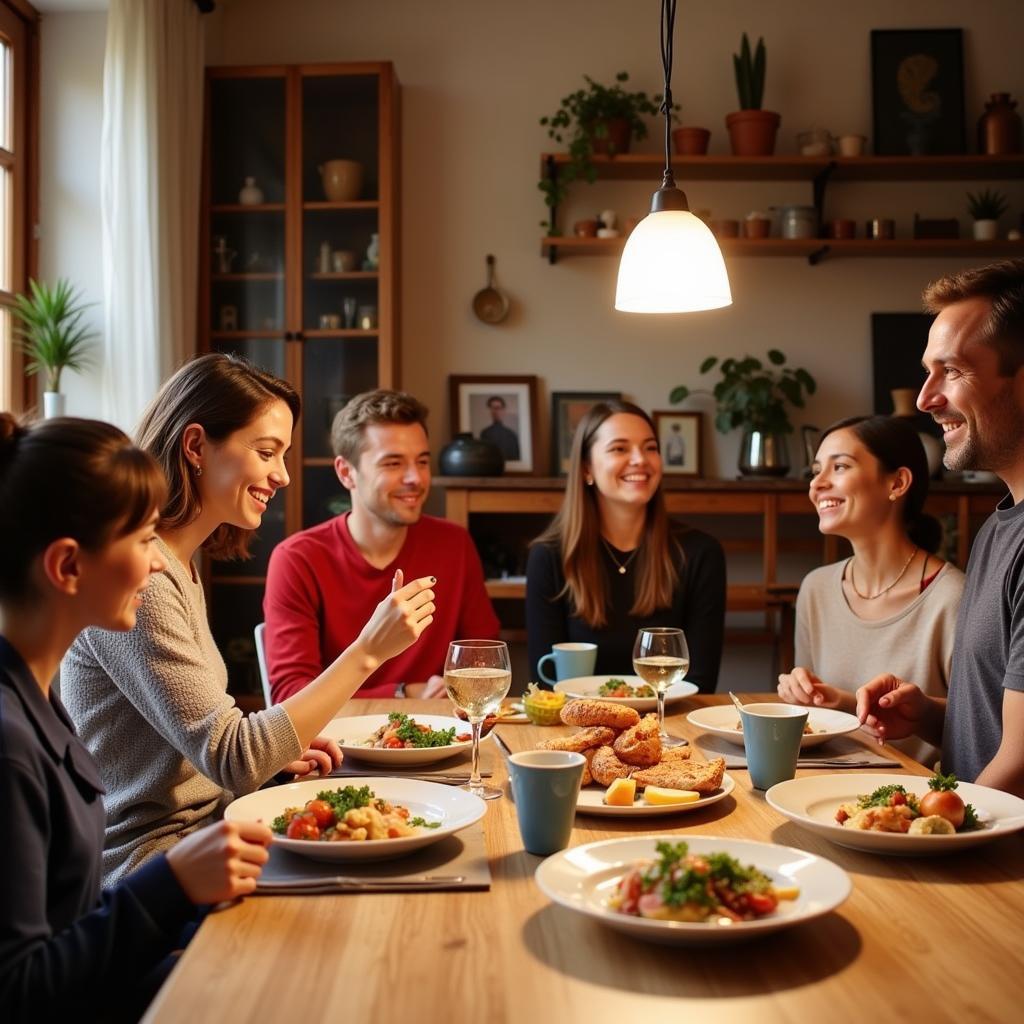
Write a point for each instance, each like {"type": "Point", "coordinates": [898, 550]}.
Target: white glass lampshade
{"type": "Point", "coordinates": [672, 264]}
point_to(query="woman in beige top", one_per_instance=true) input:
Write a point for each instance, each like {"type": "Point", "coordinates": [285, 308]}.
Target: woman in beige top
{"type": "Point", "coordinates": [891, 606]}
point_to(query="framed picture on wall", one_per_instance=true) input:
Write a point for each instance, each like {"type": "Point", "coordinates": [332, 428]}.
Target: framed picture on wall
{"type": "Point", "coordinates": [567, 409]}
{"type": "Point", "coordinates": [680, 439]}
{"type": "Point", "coordinates": [502, 410]}
{"type": "Point", "coordinates": [917, 91]}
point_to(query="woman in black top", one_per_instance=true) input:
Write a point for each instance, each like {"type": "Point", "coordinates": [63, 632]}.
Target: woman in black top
{"type": "Point", "coordinates": [612, 560]}
{"type": "Point", "coordinates": [78, 510]}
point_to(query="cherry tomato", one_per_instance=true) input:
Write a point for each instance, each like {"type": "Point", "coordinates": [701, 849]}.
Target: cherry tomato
{"type": "Point", "coordinates": [897, 799]}
{"type": "Point", "coordinates": [762, 903]}
{"type": "Point", "coordinates": [463, 737]}
{"type": "Point", "coordinates": [393, 743]}
{"type": "Point", "coordinates": [946, 803]}
{"type": "Point", "coordinates": [323, 812]}
{"type": "Point", "coordinates": [303, 826]}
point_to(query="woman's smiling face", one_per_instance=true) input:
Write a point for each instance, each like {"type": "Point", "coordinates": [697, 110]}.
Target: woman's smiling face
{"type": "Point", "coordinates": [624, 461]}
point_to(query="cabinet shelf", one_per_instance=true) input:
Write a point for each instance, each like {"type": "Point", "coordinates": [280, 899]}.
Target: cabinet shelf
{"type": "Point", "coordinates": [247, 208]}
{"type": "Point", "coordinates": [346, 275]}
{"type": "Point", "coordinates": [343, 332]}
{"type": "Point", "coordinates": [271, 275]}
{"type": "Point", "coordinates": [355, 204]}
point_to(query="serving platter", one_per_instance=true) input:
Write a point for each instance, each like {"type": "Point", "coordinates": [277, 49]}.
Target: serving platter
{"type": "Point", "coordinates": [591, 801]}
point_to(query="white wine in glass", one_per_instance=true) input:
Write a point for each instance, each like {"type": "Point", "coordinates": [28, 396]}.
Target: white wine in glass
{"type": "Point", "coordinates": [661, 659]}
{"type": "Point", "coordinates": [477, 675]}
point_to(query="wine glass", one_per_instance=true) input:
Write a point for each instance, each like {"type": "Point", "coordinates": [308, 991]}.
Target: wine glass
{"type": "Point", "coordinates": [661, 659]}
{"type": "Point", "coordinates": [477, 675]}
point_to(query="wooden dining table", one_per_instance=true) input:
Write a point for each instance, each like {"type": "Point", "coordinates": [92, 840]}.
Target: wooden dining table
{"type": "Point", "coordinates": [919, 939]}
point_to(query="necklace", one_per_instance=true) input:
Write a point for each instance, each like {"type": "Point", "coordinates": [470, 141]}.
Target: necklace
{"type": "Point", "coordinates": [621, 566]}
{"type": "Point", "coordinates": [884, 590]}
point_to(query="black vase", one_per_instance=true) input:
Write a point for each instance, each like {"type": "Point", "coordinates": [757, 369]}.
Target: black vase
{"type": "Point", "coordinates": [470, 456]}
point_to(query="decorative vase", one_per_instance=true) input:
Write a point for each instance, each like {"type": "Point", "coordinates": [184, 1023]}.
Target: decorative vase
{"type": "Point", "coordinates": [372, 261]}
{"type": "Point", "coordinates": [763, 453]}
{"type": "Point", "coordinates": [986, 230]}
{"type": "Point", "coordinates": [342, 180]}
{"type": "Point", "coordinates": [616, 138]}
{"type": "Point", "coordinates": [467, 455]}
{"type": "Point", "coordinates": [54, 404]}
{"type": "Point", "coordinates": [999, 128]}
{"type": "Point", "coordinates": [251, 194]}
{"type": "Point", "coordinates": [691, 141]}
{"type": "Point", "coordinates": [752, 132]}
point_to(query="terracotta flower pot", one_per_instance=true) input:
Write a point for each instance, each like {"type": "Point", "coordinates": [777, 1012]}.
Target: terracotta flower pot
{"type": "Point", "coordinates": [691, 141]}
{"type": "Point", "coordinates": [617, 138]}
{"type": "Point", "coordinates": [752, 132]}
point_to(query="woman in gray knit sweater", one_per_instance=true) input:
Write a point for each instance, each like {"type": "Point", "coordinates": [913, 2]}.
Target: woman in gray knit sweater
{"type": "Point", "coordinates": [152, 704]}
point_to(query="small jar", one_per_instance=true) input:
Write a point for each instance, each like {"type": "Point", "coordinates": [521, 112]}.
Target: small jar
{"type": "Point", "coordinates": [798, 222]}
{"type": "Point", "coordinates": [251, 194]}
{"type": "Point", "coordinates": [999, 128]}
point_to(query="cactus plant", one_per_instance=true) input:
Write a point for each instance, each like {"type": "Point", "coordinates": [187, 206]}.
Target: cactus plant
{"type": "Point", "coordinates": [988, 204]}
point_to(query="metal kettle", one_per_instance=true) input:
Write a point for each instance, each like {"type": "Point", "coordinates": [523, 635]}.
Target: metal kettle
{"type": "Point", "coordinates": [812, 438]}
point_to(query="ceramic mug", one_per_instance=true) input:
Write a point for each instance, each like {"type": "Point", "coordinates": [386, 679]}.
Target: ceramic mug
{"type": "Point", "coordinates": [545, 786]}
{"type": "Point", "coordinates": [571, 661]}
{"type": "Point", "coordinates": [757, 227]}
{"type": "Point", "coordinates": [851, 145]}
{"type": "Point", "coordinates": [843, 228]}
{"type": "Point", "coordinates": [771, 738]}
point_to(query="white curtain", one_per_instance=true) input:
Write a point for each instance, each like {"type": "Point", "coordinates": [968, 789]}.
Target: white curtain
{"type": "Point", "coordinates": [149, 185]}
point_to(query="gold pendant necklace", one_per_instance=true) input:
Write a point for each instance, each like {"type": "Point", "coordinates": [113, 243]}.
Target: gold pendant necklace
{"type": "Point", "coordinates": [884, 590]}
{"type": "Point", "coordinates": [621, 566]}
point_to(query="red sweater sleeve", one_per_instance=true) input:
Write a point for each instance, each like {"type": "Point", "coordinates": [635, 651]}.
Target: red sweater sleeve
{"type": "Point", "coordinates": [292, 610]}
{"type": "Point", "coordinates": [477, 619]}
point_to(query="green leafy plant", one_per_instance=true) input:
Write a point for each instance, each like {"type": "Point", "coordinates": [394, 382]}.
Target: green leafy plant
{"type": "Point", "coordinates": [581, 118]}
{"type": "Point", "coordinates": [51, 334]}
{"type": "Point", "coordinates": [752, 395]}
{"type": "Point", "coordinates": [750, 69]}
{"type": "Point", "coordinates": [987, 204]}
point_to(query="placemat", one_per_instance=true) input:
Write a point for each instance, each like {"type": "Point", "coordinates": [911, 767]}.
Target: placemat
{"type": "Point", "coordinates": [462, 854]}
{"type": "Point", "coordinates": [842, 752]}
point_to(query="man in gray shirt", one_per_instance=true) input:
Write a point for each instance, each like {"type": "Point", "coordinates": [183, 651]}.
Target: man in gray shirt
{"type": "Point", "coordinates": [974, 362]}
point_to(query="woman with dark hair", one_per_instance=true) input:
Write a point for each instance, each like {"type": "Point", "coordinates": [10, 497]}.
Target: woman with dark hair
{"type": "Point", "coordinates": [152, 705]}
{"type": "Point", "coordinates": [67, 948]}
{"type": "Point", "coordinates": [612, 560]}
{"type": "Point", "coordinates": [892, 605]}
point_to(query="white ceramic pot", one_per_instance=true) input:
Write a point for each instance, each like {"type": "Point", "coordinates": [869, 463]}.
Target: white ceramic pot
{"type": "Point", "coordinates": [986, 230]}
{"type": "Point", "coordinates": [54, 404]}
{"type": "Point", "coordinates": [342, 180]}
{"type": "Point", "coordinates": [251, 194]}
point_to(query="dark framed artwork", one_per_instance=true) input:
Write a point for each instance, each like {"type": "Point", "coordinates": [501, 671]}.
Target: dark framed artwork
{"type": "Point", "coordinates": [917, 91]}
{"type": "Point", "coordinates": [567, 409]}
{"type": "Point", "coordinates": [898, 342]}
{"type": "Point", "coordinates": [502, 410]}
{"type": "Point", "coordinates": [681, 441]}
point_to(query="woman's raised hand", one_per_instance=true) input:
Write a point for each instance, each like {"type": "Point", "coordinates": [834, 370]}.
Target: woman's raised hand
{"type": "Point", "coordinates": [801, 686]}
{"type": "Point", "coordinates": [220, 862]}
{"type": "Point", "coordinates": [891, 709]}
{"type": "Point", "coordinates": [399, 619]}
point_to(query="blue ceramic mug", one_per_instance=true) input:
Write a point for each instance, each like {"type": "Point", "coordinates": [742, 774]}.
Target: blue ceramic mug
{"type": "Point", "coordinates": [571, 661]}
{"type": "Point", "coordinates": [771, 737]}
{"type": "Point", "coordinates": [545, 787]}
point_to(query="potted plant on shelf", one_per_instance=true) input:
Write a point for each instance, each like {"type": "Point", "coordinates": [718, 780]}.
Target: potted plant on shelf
{"type": "Point", "coordinates": [751, 130]}
{"type": "Point", "coordinates": [52, 337]}
{"type": "Point", "coordinates": [597, 119]}
{"type": "Point", "coordinates": [754, 397]}
{"type": "Point", "coordinates": [986, 207]}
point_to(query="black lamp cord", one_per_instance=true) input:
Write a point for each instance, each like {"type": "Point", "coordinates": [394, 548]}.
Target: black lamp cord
{"type": "Point", "coordinates": [668, 23]}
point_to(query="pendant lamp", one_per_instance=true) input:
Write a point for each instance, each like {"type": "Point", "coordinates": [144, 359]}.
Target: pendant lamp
{"type": "Point", "coordinates": [671, 262]}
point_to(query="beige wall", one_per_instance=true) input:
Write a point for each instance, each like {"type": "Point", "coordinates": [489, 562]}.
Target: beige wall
{"type": "Point", "coordinates": [476, 77]}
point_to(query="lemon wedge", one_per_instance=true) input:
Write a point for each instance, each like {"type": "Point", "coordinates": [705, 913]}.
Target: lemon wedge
{"type": "Point", "coordinates": [660, 795]}
{"type": "Point", "coordinates": [787, 892]}
{"type": "Point", "coordinates": [621, 793]}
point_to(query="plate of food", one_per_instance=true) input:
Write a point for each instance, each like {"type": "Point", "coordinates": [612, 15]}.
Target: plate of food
{"type": "Point", "coordinates": [378, 820]}
{"type": "Point", "coordinates": [399, 740]}
{"type": "Point", "coordinates": [625, 798]}
{"type": "Point", "coordinates": [705, 891]}
{"type": "Point", "coordinates": [822, 725]}
{"type": "Point", "coordinates": [898, 814]}
{"type": "Point", "coordinates": [629, 690]}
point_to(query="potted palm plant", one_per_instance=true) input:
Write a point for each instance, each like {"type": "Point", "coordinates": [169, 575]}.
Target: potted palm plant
{"type": "Point", "coordinates": [597, 119]}
{"type": "Point", "coordinates": [52, 336]}
{"type": "Point", "coordinates": [986, 207]}
{"type": "Point", "coordinates": [751, 130]}
{"type": "Point", "coordinates": [755, 397]}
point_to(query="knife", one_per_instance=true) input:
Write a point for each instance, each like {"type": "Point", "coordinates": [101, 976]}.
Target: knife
{"type": "Point", "coordinates": [448, 778]}
{"type": "Point", "coordinates": [334, 882]}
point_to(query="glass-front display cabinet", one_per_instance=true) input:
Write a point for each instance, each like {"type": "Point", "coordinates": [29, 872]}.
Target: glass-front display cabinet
{"type": "Point", "coordinates": [299, 259]}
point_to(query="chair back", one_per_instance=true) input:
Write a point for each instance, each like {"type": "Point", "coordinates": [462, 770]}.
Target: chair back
{"type": "Point", "coordinates": [261, 657]}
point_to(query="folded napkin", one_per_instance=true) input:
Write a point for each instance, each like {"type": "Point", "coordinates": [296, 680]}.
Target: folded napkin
{"type": "Point", "coordinates": [457, 862]}
{"type": "Point", "coordinates": [842, 752]}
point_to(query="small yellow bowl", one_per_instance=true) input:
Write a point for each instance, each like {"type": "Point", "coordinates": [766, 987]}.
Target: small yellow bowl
{"type": "Point", "coordinates": [544, 707]}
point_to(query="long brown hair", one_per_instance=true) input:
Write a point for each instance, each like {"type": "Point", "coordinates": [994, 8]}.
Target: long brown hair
{"type": "Point", "coordinates": [222, 393]}
{"type": "Point", "coordinates": [576, 530]}
{"type": "Point", "coordinates": [68, 478]}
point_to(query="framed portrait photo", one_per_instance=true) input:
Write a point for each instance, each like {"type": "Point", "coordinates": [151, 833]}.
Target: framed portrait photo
{"type": "Point", "coordinates": [917, 91]}
{"type": "Point", "coordinates": [567, 409]}
{"type": "Point", "coordinates": [502, 410]}
{"type": "Point", "coordinates": [680, 437]}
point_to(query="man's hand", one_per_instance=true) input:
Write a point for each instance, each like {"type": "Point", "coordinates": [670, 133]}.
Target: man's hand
{"type": "Point", "coordinates": [891, 709]}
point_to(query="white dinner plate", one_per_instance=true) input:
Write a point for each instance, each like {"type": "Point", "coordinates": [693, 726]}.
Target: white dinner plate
{"type": "Point", "coordinates": [454, 808]}
{"type": "Point", "coordinates": [812, 801]}
{"type": "Point", "coordinates": [591, 801]}
{"type": "Point", "coordinates": [587, 686]}
{"type": "Point", "coordinates": [352, 734]}
{"type": "Point", "coordinates": [582, 878]}
{"type": "Point", "coordinates": [721, 720]}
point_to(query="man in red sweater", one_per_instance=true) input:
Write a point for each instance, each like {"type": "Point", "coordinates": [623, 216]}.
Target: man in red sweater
{"type": "Point", "coordinates": [323, 583]}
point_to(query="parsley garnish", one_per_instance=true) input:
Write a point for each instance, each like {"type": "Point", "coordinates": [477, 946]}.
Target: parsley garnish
{"type": "Point", "coordinates": [409, 732]}
{"type": "Point", "coordinates": [423, 823]}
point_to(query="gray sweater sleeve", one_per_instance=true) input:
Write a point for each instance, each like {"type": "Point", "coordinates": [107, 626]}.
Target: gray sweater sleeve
{"type": "Point", "coordinates": [162, 669]}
